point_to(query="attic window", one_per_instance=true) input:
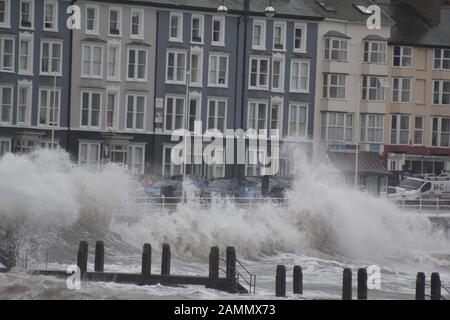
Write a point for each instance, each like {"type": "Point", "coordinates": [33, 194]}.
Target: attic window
{"type": "Point", "coordinates": [363, 9]}
{"type": "Point", "coordinates": [326, 6]}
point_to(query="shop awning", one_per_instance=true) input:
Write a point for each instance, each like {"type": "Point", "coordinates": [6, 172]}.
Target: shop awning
{"type": "Point", "coordinates": [369, 163]}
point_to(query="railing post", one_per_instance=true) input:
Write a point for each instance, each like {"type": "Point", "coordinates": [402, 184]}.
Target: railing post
{"type": "Point", "coordinates": [82, 258]}
{"type": "Point", "coordinates": [99, 262]}
{"type": "Point", "coordinates": [146, 268]}
{"type": "Point", "coordinates": [231, 264]}
{"type": "Point", "coordinates": [347, 284]}
{"type": "Point", "coordinates": [298, 280]}
{"type": "Point", "coordinates": [420, 204]}
{"type": "Point", "coordinates": [362, 284]}
{"type": "Point", "coordinates": [420, 286]}
{"type": "Point", "coordinates": [165, 261]}
{"type": "Point", "coordinates": [437, 204]}
{"type": "Point", "coordinates": [435, 286]}
{"type": "Point", "coordinates": [214, 264]}
{"type": "Point", "coordinates": [280, 281]}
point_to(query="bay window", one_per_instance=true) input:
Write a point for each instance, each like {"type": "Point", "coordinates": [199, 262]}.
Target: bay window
{"type": "Point", "coordinates": [372, 126]}
{"type": "Point", "coordinates": [336, 49]}
{"type": "Point", "coordinates": [336, 126]}
{"type": "Point", "coordinates": [373, 88]}
{"type": "Point", "coordinates": [334, 86]}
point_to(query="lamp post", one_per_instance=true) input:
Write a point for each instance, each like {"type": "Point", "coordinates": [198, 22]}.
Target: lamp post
{"type": "Point", "coordinates": [53, 110]}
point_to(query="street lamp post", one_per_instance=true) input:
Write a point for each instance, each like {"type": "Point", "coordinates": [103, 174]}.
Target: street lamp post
{"type": "Point", "coordinates": [53, 110]}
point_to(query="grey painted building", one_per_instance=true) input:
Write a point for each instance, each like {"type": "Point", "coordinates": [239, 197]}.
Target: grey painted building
{"type": "Point", "coordinates": [34, 78]}
{"type": "Point", "coordinates": [113, 84]}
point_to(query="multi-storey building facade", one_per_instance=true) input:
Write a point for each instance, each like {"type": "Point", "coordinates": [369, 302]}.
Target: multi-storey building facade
{"type": "Point", "coordinates": [113, 74]}
{"type": "Point", "coordinates": [417, 137]}
{"type": "Point", "coordinates": [352, 72]}
{"type": "Point", "coordinates": [245, 72]}
{"type": "Point", "coordinates": [34, 78]}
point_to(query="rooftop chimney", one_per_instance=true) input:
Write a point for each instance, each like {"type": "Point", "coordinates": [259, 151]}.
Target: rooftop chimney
{"type": "Point", "coordinates": [430, 10]}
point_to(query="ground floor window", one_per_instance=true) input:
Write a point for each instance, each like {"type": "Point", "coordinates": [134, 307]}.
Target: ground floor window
{"type": "Point", "coordinates": [136, 158]}
{"type": "Point", "coordinates": [89, 153]}
{"type": "Point", "coordinates": [169, 168]}
{"type": "Point", "coordinates": [5, 146]}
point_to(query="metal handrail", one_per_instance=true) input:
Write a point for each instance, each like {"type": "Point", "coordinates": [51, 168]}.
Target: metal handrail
{"type": "Point", "coordinates": [251, 282]}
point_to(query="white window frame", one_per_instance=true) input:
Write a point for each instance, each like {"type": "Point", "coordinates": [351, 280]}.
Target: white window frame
{"type": "Point", "coordinates": [216, 82]}
{"type": "Point", "coordinates": [400, 90]}
{"type": "Point", "coordinates": [381, 85]}
{"type": "Point", "coordinates": [119, 22]}
{"type": "Point", "coordinates": [141, 27]}
{"type": "Point", "coordinates": [179, 37]}
{"type": "Point", "coordinates": [7, 20]}
{"type": "Point", "coordinates": [327, 85]}
{"type": "Point", "coordinates": [421, 130]}
{"type": "Point", "coordinates": [282, 25]}
{"type": "Point", "coordinates": [51, 57]}
{"type": "Point", "coordinates": [28, 38]}
{"type": "Point", "coordinates": [88, 153]}
{"type": "Point", "coordinates": [32, 13]}
{"type": "Point", "coordinates": [54, 16]}
{"type": "Point", "coordinates": [262, 44]}
{"type": "Point", "coordinates": [440, 93]}
{"type": "Point", "coordinates": [115, 121]}
{"type": "Point", "coordinates": [282, 60]}
{"type": "Point", "coordinates": [402, 56]}
{"type": "Point", "coordinates": [48, 122]}
{"type": "Point", "coordinates": [298, 106]}
{"type": "Point", "coordinates": [96, 17]}
{"type": "Point", "coordinates": [136, 66]}
{"type": "Point", "coordinates": [325, 125]}
{"type": "Point", "coordinates": [398, 129]}
{"type": "Point", "coordinates": [91, 61]}
{"type": "Point", "coordinates": [201, 28]}
{"type": "Point", "coordinates": [8, 141]}
{"type": "Point", "coordinates": [131, 158]}
{"type": "Point", "coordinates": [258, 85]}
{"type": "Point", "coordinates": [170, 163]}
{"type": "Point", "coordinates": [11, 105]}
{"type": "Point", "coordinates": [89, 120]}
{"type": "Point", "coordinates": [198, 83]}
{"type": "Point", "coordinates": [29, 86]}
{"type": "Point", "coordinates": [441, 59]}
{"type": "Point", "coordinates": [253, 169]}
{"type": "Point", "coordinates": [277, 101]}
{"type": "Point", "coordinates": [216, 106]}
{"type": "Point", "coordinates": [221, 42]}
{"type": "Point", "coordinates": [117, 63]}
{"type": "Point", "coordinates": [370, 51]}
{"type": "Point", "coordinates": [2, 54]}
{"type": "Point", "coordinates": [197, 97]}
{"type": "Point", "coordinates": [303, 44]}
{"type": "Point", "coordinates": [174, 114]}
{"type": "Point", "coordinates": [439, 133]}
{"type": "Point", "coordinates": [328, 52]}
{"type": "Point", "coordinates": [144, 125]}
{"type": "Point", "coordinates": [176, 52]}
{"type": "Point", "coordinates": [291, 86]}
{"type": "Point", "coordinates": [364, 128]}
{"type": "Point", "coordinates": [257, 118]}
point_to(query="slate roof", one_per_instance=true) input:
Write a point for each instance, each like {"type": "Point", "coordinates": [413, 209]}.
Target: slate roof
{"type": "Point", "coordinates": [336, 34]}
{"type": "Point", "coordinates": [369, 163]}
{"type": "Point", "coordinates": [410, 28]}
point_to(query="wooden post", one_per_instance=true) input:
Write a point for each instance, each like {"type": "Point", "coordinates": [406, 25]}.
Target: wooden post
{"type": "Point", "coordinates": [347, 284]}
{"type": "Point", "coordinates": [280, 281]}
{"type": "Point", "coordinates": [214, 264]}
{"type": "Point", "coordinates": [99, 263]}
{"type": "Point", "coordinates": [298, 280]}
{"type": "Point", "coordinates": [362, 284]}
{"type": "Point", "coordinates": [231, 264]}
{"type": "Point", "coordinates": [435, 286]}
{"type": "Point", "coordinates": [147, 260]}
{"type": "Point", "coordinates": [82, 258]}
{"type": "Point", "coordinates": [420, 286]}
{"type": "Point", "coordinates": [165, 261]}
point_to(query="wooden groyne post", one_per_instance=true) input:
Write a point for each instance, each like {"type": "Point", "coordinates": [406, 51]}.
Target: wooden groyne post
{"type": "Point", "coordinates": [435, 286]}
{"type": "Point", "coordinates": [420, 286]}
{"type": "Point", "coordinates": [146, 260]}
{"type": "Point", "coordinates": [298, 280]}
{"type": "Point", "coordinates": [362, 284]}
{"type": "Point", "coordinates": [347, 284]}
{"type": "Point", "coordinates": [82, 257]}
{"type": "Point", "coordinates": [231, 264]}
{"type": "Point", "coordinates": [280, 281]}
{"type": "Point", "coordinates": [165, 260]}
{"type": "Point", "coordinates": [99, 262]}
{"type": "Point", "coordinates": [213, 264]}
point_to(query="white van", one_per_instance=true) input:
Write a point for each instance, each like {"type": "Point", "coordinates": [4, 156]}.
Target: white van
{"type": "Point", "coordinates": [429, 187]}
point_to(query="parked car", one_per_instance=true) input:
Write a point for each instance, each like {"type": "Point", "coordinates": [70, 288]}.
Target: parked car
{"type": "Point", "coordinates": [170, 189]}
